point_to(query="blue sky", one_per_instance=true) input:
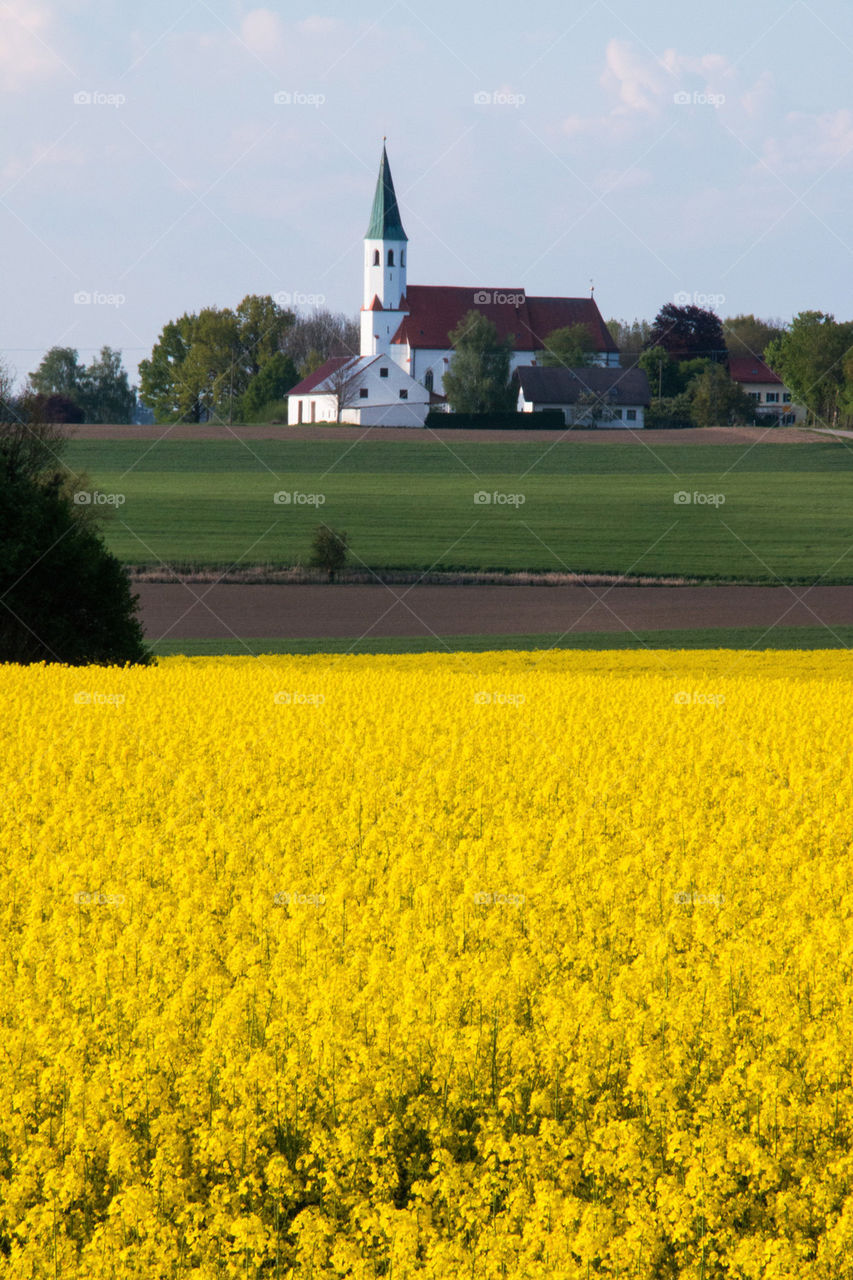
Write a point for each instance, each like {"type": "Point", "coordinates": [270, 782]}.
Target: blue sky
{"type": "Point", "coordinates": [662, 150]}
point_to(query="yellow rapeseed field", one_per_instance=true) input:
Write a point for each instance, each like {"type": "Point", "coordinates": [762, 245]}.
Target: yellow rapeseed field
{"type": "Point", "coordinates": [507, 965]}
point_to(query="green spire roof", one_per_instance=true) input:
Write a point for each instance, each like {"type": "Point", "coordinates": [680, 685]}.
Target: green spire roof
{"type": "Point", "coordinates": [385, 221]}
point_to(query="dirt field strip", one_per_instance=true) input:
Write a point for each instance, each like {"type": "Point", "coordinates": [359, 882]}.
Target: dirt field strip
{"type": "Point", "coordinates": [417, 435]}
{"type": "Point", "coordinates": [291, 612]}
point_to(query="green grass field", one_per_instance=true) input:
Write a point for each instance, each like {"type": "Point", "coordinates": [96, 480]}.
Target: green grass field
{"type": "Point", "coordinates": [787, 512]}
{"type": "Point", "coordinates": [737, 638]}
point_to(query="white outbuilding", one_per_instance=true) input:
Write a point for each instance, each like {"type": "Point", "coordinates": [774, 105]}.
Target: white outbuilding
{"type": "Point", "coordinates": [368, 391]}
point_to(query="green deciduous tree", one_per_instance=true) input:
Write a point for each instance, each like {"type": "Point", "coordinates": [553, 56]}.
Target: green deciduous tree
{"type": "Point", "coordinates": [272, 382]}
{"type": "Point", "coordinates": [101, 389]}
{"type": "Point", "coordinates": [813, 360]}
{"type": "Point", "coordinates": [59, 373]}
{"type": "Point", "coordinates": [662, 372]}
{"type": "Point", "coordinates": [749, 336]}
{"type": "Point", "coordinates": [571, 347]}
{"type": "Point", "coordinates": [630, 337]}
{"type": "Point", "coordinates": [161, 380]}
{"type": "Point", "coordinates": [202, 364]}
{"type": "Point", "coordinates": [107, 393]}
{"type": "Point", "coordinates": [262, 328]}
{"type": "Point", "coordinates": [212, 372]}
{"type": "Point", "coordinates": [717, 401]}
{"type": "Point", "coordinates": [478, 377]}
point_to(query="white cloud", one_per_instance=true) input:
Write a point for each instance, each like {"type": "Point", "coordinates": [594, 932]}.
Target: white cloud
{"type": "Point", "coordinates": [758, 98]}
{"type": "Point", "coordinates": [642, 87]}
{"type": "Point", "coordinates": [262, 31]}
{"type": "Point", "coordinates": [712, 68]}
{"type": "Point", "coordinates": [638, 79]}
{"type": "Point", "coordinates": [811, 143]}
{"type": "Point", "coordinates": [25, 52]}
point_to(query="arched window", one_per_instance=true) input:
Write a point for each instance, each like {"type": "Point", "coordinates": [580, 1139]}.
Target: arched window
{"type": "Point", "coordinates": [377, 262]}
{"type": "Point", "coordinates": [428, 380]}
{"type": "Point", "coordinates": [390, 257]}
{"type": "Point", "coordinates": [402, 257]}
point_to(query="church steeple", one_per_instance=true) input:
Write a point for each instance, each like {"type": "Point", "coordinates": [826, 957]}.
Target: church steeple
{"type": "Point", "coordinates": [384, 297]}
{"type": "Point", "coordinates": [385, 220]}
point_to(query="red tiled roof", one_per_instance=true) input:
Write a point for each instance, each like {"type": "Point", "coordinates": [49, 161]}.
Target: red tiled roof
{"type": "Point", "coordinates": [436, 309]}
{"type": "Point", "coordinates": [749, 369]}
{"type": "Point", "coordinates": [319, 375]}
{"type": "Point", "coordinates": [375, 305]}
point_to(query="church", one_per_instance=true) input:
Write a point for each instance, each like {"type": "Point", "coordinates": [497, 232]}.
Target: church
{"type": "Point", "coordinates": [405, 332]}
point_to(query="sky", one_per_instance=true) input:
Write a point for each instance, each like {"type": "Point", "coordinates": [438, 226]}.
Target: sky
{"type": "Point", "coordinates": [163, 157]}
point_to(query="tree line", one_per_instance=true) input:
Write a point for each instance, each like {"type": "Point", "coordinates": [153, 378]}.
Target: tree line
{"type": "Point", "coordinates": [219, 364]}
{"type": "Point", "coordinates": [238, 365]}
{"type": "Point", "coordinates": [813, 355]}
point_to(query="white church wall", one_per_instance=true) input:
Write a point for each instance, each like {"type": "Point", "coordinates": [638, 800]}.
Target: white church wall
{"type": "Point", "coordinates": [377, 330]}
{"type": "Point", "coordinates": [384, 280]}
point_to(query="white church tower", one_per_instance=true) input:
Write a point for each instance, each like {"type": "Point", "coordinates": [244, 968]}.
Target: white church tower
{"type": "Point", "coordinates": [385, 245]}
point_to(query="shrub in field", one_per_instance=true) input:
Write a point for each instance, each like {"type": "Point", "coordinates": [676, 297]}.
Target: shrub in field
{"type": "Point", "coordinates": [329, 550]}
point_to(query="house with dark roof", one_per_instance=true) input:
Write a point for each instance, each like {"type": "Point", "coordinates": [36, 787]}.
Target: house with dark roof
{"type": "Point", "coordinates": [412, 323]}
{"type": "Point", "coordinates": [590, 397]}
{"type": "Point", "coordinates": [773, 400]}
